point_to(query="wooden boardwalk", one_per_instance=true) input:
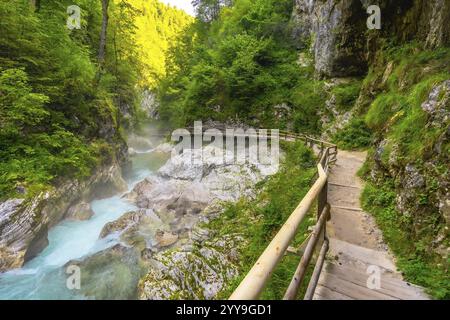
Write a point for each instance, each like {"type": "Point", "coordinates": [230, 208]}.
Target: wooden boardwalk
{"type": "Point", "coordinates": [357, 250]}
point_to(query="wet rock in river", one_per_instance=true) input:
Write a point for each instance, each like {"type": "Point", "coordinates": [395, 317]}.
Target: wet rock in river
{"type": "Point", "coordinates": [136, 228]}
{"type": "Point", "coordinates": [164, 148]}
{"type": "Point", "coordinates": [79, 212]}
{"type": "Point", "coordinates": [110, 274]}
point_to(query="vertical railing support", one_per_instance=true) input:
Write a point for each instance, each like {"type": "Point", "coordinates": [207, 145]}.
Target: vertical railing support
{"type": "Point", "coordinates": [255, 280]}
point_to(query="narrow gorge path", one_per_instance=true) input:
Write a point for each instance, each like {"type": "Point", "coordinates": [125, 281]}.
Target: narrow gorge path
{"type": "Point", "coordinates": [357, 250]}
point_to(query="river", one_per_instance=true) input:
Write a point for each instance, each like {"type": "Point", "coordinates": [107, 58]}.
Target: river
{"type": "Point", "coordinates": [44, 277]}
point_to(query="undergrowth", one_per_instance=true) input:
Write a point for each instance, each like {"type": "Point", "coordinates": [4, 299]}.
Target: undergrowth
{"type": "Point", "coordinates": [260, 219]}
{"type": "Point", "coordinates": [417, 264]}
{"type": "Point", "coordinates": [355, 135]}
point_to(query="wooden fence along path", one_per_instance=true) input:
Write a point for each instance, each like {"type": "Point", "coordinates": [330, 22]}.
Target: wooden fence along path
{"type": "Point", "coordinates": [351, 260]}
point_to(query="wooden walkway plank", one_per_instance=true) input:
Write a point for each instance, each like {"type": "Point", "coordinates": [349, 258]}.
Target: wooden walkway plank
{"type": "Point", "coordinates": [324, 293]}
{"type": "Point", "coordinates": [351, 289]}
{"type": "Point", "coordinates": [356, 243]}
{"type": "Point", "coordinates": [388, 285]}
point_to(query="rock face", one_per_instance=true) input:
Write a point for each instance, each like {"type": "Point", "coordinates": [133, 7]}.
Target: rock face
{"type": "Point", "coordinates": [438, 104]}
{"type": "Point", "coordinates": [24, 224]}
{"type": "Point", "coordinates": [336, 33]}
{"type": "Point", "coordinates": [149, 104]}
{"type": "Point", "coordinates": [197, 271]}
{"type": "Point", "coordinates": [186, 260]}
{"type": "Point", "coordinates": [337, 29]}
{"type": "Point", "coordinates": [332, 118]}
{"type": "Point", "coordinates": [341, 42]}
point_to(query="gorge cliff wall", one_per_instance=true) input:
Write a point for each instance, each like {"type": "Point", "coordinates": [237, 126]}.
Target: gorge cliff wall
{"type": "Point", "coordinates": [404, 70]}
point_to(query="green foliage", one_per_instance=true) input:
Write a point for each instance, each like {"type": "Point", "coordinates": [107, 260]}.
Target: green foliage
{"type": "Point", "coordinates": [259, 220]}
{"type": "Point", "coordinates": [406, 76]}
{"type": "Point", "coordinates": [209, 10]}
{"type": "Point", "coordinates": [58, 107]}
{"type": "Point", "coordinates": [240, 65]}
{"type": "Point", "coordinates": [413, 64]}
{"type": "Point", "coordinates": [29, 155]}
{"type": "Point", "coordinates": [355, 135]}
{"type": "Point", "coordinates": [346, 94]}
{"type": "Point", "coordinates": [382, 109]}
{"type": "Point", "coordinates": [157, 26]}
{"type": "Point", "coordinates": [418, 264]}
{"type": "Point", "coordinates": [307, 97]}
{"type": "Point", "coordinates": [397, 112]}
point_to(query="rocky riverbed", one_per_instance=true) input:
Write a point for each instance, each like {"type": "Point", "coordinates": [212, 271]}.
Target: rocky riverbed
{"type": "Point", "coordinates": [149, 242]}
{"type": "Point", "coordinates": [176, 257]}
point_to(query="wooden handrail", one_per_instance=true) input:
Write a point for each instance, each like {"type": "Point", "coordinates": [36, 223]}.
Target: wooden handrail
{"type": "Point", "coordinates": [254, 282]}
{"type": "Point", "coordinates": [299, 274]}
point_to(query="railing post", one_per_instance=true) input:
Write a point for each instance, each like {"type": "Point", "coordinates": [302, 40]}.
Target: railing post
{"type": "Point", "coordinates": [322, 198]}
{"type": "Point", "coordinates": [255, 280]}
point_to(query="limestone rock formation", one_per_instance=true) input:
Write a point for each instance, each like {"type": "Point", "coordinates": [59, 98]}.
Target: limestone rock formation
{"type": "Point", "coordinates": [337, 31]}
{"type": "Point", "coordinates": [192, 272]}
{"type": "Point", "coordinates": [186, 261]}
{"type": "Point", "coordinates": [24, 224]}
{"type": "Point", "coordinates": [339, 37]}
{"type": "Point", "coordinates": [80, 211]}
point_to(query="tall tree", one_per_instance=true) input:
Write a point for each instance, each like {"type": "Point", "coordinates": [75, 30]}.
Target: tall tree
{"type": "Point", "coordinates": [208, 10]}
{"type": "Point", "coordinates": [35, 4]}
{"type": "Point", "coordinates": [105, 17]}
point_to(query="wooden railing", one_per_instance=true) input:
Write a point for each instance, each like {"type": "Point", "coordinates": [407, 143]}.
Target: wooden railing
{"type": "Point", "coordinates": [254, 282]}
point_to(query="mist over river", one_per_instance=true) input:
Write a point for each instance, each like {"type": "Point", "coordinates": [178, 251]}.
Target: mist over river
{"type": "Point", "coordinates": [44, 277]}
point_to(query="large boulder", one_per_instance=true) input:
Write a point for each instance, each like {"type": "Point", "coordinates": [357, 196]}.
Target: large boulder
{"type": "Point", "coordinates": [192, 272]}
{"type": "Point", "coordinates": [113, 273]}
{"type": "Point", "coordinates": [79, 212]}
{"type": "Point", "coordinates": [177, 196]}
{"type": "Point", "coordinates": [136, 228]}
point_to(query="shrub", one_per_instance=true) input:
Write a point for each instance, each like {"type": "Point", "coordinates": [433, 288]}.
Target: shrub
{"type": "Point", "coordinates": [355, 135]}
{"type": "Point", "coordinates": [346, 94]}
{"type": "Point", "coordinates": [382, 110]}
{"type": "Point", "coordinates": [418, 264]}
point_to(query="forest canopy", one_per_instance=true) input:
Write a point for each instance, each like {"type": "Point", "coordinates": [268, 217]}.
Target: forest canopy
{"type": "Point", "coordinates": [66, 94]}
{"type": "Point", "coordinates": [240, 61]}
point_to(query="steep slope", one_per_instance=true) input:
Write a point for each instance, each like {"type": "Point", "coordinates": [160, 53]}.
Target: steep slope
{"type": "Point", "coordinates": [401, 112]}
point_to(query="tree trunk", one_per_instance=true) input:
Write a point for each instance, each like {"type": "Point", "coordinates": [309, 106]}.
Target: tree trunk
{"type": "Point", "coordinates": [102, 49]}
{"type": "Point", "coordinates": [35, 4]}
